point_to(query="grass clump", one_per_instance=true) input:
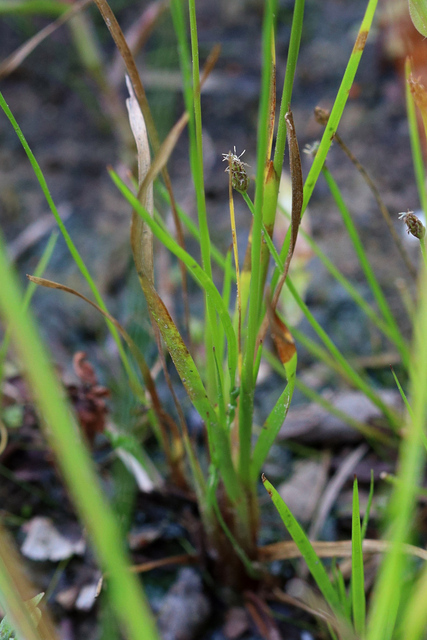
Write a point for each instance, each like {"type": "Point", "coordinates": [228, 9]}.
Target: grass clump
{"type": "Point", "coordinates": [221, 386]}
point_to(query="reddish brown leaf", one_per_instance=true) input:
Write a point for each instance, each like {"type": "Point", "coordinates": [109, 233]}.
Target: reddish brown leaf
{"type": "Point", "coordinates": [282, 338]}
{"type": "Point", "coordinates": [83, 369]}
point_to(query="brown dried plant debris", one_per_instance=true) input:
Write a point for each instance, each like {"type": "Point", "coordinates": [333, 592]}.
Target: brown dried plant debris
{"type": "Point", "coordinates": [88, 398]}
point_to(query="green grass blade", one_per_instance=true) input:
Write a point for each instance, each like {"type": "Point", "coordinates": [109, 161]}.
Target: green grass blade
{"type": "Point", "coordinates": [124, 591]}
{"type": "Point", "coordinates": [71, 247]}
{"type": "Point", "coordinates": [272, 425]}
{"type": "Point", "coordinates": [33, 7]}
{"type": "Point", "coordinates": [368, 506]}
{"type": "Point", "coordinates": [298, 535]}
{"type": "Point", "coordinates": [387, 592]}
{"type": "Point", "coordinates": [357, 571]}
{"type": "Point", "coordinates": [340, 587]}
{"type": "Point", "coordinates": [414, 618]}
{"type": "Point", "coordinates": [247, 380]}
{"type": "Point", "coordinates": [318, 352]}
{"type": "Point", "coordinates": [367, 269]}
{"type": "Point", "coordinates": [226, 293]}
{"type": "Point", "coordinates": [31, 288]}
{"type": "Point", "coordinates": [197, 165]}
{"type": "Point", "coordinates": [212, 338]}
{"type": "Point", "coordinates": [345, 283]}
{"type": "Point", "coordinates": [407, 405]}
{"type": "Point", "coordinates": [291, 62]}
{"type": "Point", "coordinates": [367, 430]}
{"type": "Point", "coordinates": [402, 394]}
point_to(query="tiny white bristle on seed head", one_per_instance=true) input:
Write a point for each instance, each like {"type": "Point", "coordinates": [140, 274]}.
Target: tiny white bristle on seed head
{"type": "Point", "coordinates": [403, 215]}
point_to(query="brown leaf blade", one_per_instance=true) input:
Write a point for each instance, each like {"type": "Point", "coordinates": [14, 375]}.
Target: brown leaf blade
{"type": "Point", "coordinates": [337, 549]}
{"type": "Point", "coordinates": [141, 236]}
{"type": "Point", "coordinates": [282, 337]}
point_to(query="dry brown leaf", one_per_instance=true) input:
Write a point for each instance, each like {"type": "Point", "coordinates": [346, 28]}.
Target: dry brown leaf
{"type": "Point", "coordinates": [340, 549]}
{"type": "Point", "coordinates": [83, 369]}
{"type": "Point", "coordinates": [141, 234]}
{"type": "Point", "coordinates": [282, 337]}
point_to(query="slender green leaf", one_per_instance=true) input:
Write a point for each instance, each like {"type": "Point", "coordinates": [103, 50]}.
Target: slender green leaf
{"type": "Point", "coordinates": [32, 7]}
{"type": "Point", "coordinates": [291, 62]}
{"type": "Point", "coordinates": [418, 11]}
{"type": "Point", "coordinates": [368, 507]}
{"type": "Point", "coordinates": [402, 394]}
{"type": "Point", "coordinates": [388, 589]}
{"type": "Point", "coordinates": [31, 288]}
{"type": "Point", "coordinates": [272, 425]}
{"type": "Point", "coordinates": [298, 535]}
{"type": "Point", "coordinates": [340, 587]}
{"type": "Point", "coordinates": [255, 293]}
{"type": "Point", "coordinates": [212, 338]}
{"type": "Point", "coordinates": [357, 572]}
{"type": "Point", "coordinates": [407, 405]}
{"type": "Point", "coordinates": [414, 617]}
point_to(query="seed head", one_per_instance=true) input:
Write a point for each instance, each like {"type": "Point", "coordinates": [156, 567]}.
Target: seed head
{"type": "Point", "coordinates": [239, 177]}
{"type": "Point", "coordinates": [419, 92]}
{"type": "Point", "coordinates": [414, 225]}
{"type": "Point", "coordinates": [311, 149]}
{"type": "Point", "coordinates": [321, 115]}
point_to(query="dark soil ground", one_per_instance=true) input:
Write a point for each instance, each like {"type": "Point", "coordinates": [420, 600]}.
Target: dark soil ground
{"type": "Point", "coordinates": [62, 113]}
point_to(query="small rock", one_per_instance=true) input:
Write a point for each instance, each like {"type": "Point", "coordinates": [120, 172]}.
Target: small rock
{"type": "Point", "coordinates": [185, 608]}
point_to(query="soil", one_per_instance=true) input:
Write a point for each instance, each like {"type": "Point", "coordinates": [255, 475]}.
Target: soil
{"type": "Point", "coordinates": [62, 113]}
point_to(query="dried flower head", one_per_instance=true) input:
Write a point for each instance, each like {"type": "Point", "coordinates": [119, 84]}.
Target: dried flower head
{"type": "Point", "coordinates": [239, 177]}
{"type": "Point", "coordinates": [418, 91]}
{"type": "Point", "coordinates": [414, 225]}
{"type": "Point", "coordinates": [321, 115]}
{"type": "Point", "coordinates": [311, 149]}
